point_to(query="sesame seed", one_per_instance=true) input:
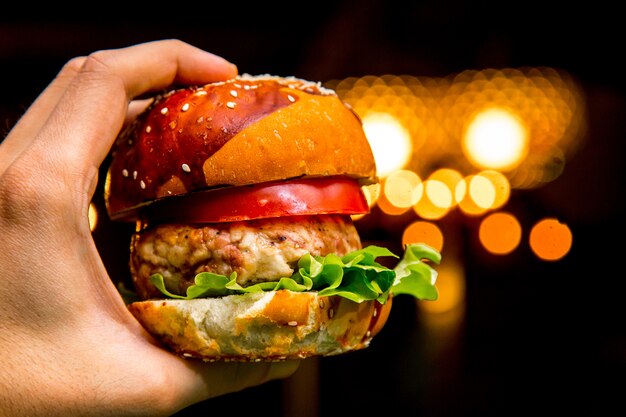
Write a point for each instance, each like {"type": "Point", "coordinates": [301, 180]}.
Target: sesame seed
{"type": "Point", "coordinates": [331, 313]}
{"type": "Point", "coordinates": [125, 172]}
{"type": "Point", "coordinates": [201, 93]}
{"type": "Point", "coordinates": [292, 323]}
{"type": "Point", "coordinates": [246, 87]}
{"type": "Point", "coordinates": [142, 185]}
{"type": "Point", "coordinates": [291, 98]}
{"type": "Point", "coordinates": [148, 129]}
{"type": "Point", "coordinates": [164, 110]}
{"type": "Point", "coordinates": [200, 119]}
{"type": "Point", "coordinates": [237, 85]}
{"type": "Point", "coordinates": [186, 168]}
{"type": "Point", "coordinates": [134, 175]}
{"type": "Point", "coordinates": [368, 334]}
{"type": "Point", "coordinates": [375, 313]}
{"type": "Point", "coordinates": [231, 104]}
{"type": "Point", "coordinates": [321, 303]}
{"type": "Point", "coordinates": [185, 107]}
{"type": "Point", "coordinates": [172, 124]}
{"type": "Point", "coordinates": [233, 93]}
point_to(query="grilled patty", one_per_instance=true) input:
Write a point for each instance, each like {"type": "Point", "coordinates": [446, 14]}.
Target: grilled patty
{"type": "Point", "coordinates": [258, 250]}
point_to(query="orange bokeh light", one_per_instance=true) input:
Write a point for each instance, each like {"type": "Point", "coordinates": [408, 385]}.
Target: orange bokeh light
{"type": "Point", "coordinates": [550, 239]}
{"type": "Point", "coordinates": [423, 232]}
{"type": "Point", "coordinates": [500, 233]}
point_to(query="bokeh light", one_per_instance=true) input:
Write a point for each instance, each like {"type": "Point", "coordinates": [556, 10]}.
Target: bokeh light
{"type": "Point", "coordinates": [450, 178]}
{"type": "Point", "coordinates": [403, 188]}
{"type": "Point", "coordinates": [423, 232]}
{"type": "Point", "coordinates": [495, 139]}
{"type": "Point", "coordinates": [93, 217]}
{"type": "Point", "coordinates": [465, 193]}
{"type": "Point", "coordinates": [500, 233]}
{"type": "Point", "coordinates": [468, 141]}
{"type": "Point", "coordinates": [501, 187]}
{"type": "Point", "coordinates": [539, 109]}
{"type": "Point", "coordinates": [390, 141]}
{"type": "Point", "coordinates": [550, 239]}
{"type": "Point", "coordinates": [435, 202]}
{"type": "Point", "coordinates": [482, 191]}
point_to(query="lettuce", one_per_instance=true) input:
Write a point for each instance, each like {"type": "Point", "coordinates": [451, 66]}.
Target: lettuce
{"type": "Point", "coordinates": [356, 276]}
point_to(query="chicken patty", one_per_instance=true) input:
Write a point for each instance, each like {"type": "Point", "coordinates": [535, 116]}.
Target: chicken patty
{"type": "Point", "coordinates": [258, 250]}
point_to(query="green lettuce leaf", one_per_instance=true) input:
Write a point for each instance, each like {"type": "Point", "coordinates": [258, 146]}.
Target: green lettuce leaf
{"type": "Point", "coordinates": [414, 277]}
{"type": "Point", "coordinates": [356, 276]}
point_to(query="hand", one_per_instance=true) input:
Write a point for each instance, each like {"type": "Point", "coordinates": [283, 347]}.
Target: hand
{"type": "Point", "coordinates": [69, 345]}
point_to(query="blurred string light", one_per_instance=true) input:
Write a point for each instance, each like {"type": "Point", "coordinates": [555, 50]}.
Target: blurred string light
{"type": "Point", "coordinates": [467, 140]}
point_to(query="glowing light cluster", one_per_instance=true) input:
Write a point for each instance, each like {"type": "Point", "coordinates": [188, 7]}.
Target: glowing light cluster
{"type": "Point", "coordinates": [443, 190]}
{"type": "Point", "coordinates": [522, 122]}
{"type": "Point", "coordinates": [465, 142]}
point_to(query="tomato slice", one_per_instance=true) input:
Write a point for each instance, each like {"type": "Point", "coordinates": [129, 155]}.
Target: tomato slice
{"type": "Point", "coordinates": [332, 195]}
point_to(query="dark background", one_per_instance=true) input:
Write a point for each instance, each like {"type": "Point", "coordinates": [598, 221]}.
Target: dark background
{"type": "Point", "coordinates": [534, 336]}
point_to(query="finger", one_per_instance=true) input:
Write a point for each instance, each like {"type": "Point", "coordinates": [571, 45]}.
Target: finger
{"type": "Point", "coordinates": [90, 114]}
{"type": "Point", "coordinates": [36, 116]}
{"type": "Point", "coordinates": [135, 108]}
{"type": "Point", "coordinates": [219, 378]}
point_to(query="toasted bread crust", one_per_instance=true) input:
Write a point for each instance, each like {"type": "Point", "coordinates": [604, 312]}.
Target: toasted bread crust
{"type": "Point", "coordinates": [262, 326]}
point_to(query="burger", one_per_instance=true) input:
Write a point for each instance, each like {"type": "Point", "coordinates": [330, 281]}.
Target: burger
{"type": "Point", "coordinates": [243, 194]}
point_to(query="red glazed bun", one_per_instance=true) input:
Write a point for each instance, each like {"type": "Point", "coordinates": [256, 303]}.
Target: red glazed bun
{"type": "Point", "coordinates": [252, 174]}
{"type": "Point", "coordinates": [247, 130]}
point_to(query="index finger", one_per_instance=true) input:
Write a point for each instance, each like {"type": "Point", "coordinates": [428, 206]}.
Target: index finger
{"type": "Point", "coordinates": [90, 113]}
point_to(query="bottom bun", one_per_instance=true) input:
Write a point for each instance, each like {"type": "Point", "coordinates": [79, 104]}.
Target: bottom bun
{"type": "Point", "coordinates": [262, 326]}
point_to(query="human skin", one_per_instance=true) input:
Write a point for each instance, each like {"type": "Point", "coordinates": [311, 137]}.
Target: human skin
{"type": "Point", "coordinates": [69, 345]}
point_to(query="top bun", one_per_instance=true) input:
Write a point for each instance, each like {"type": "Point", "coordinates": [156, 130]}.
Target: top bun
{"type": "Point", "coordinates": [247, 130]}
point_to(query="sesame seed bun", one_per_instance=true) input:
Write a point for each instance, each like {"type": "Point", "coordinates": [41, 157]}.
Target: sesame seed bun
{"type": "Point", "coordinates": [247, 130]}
